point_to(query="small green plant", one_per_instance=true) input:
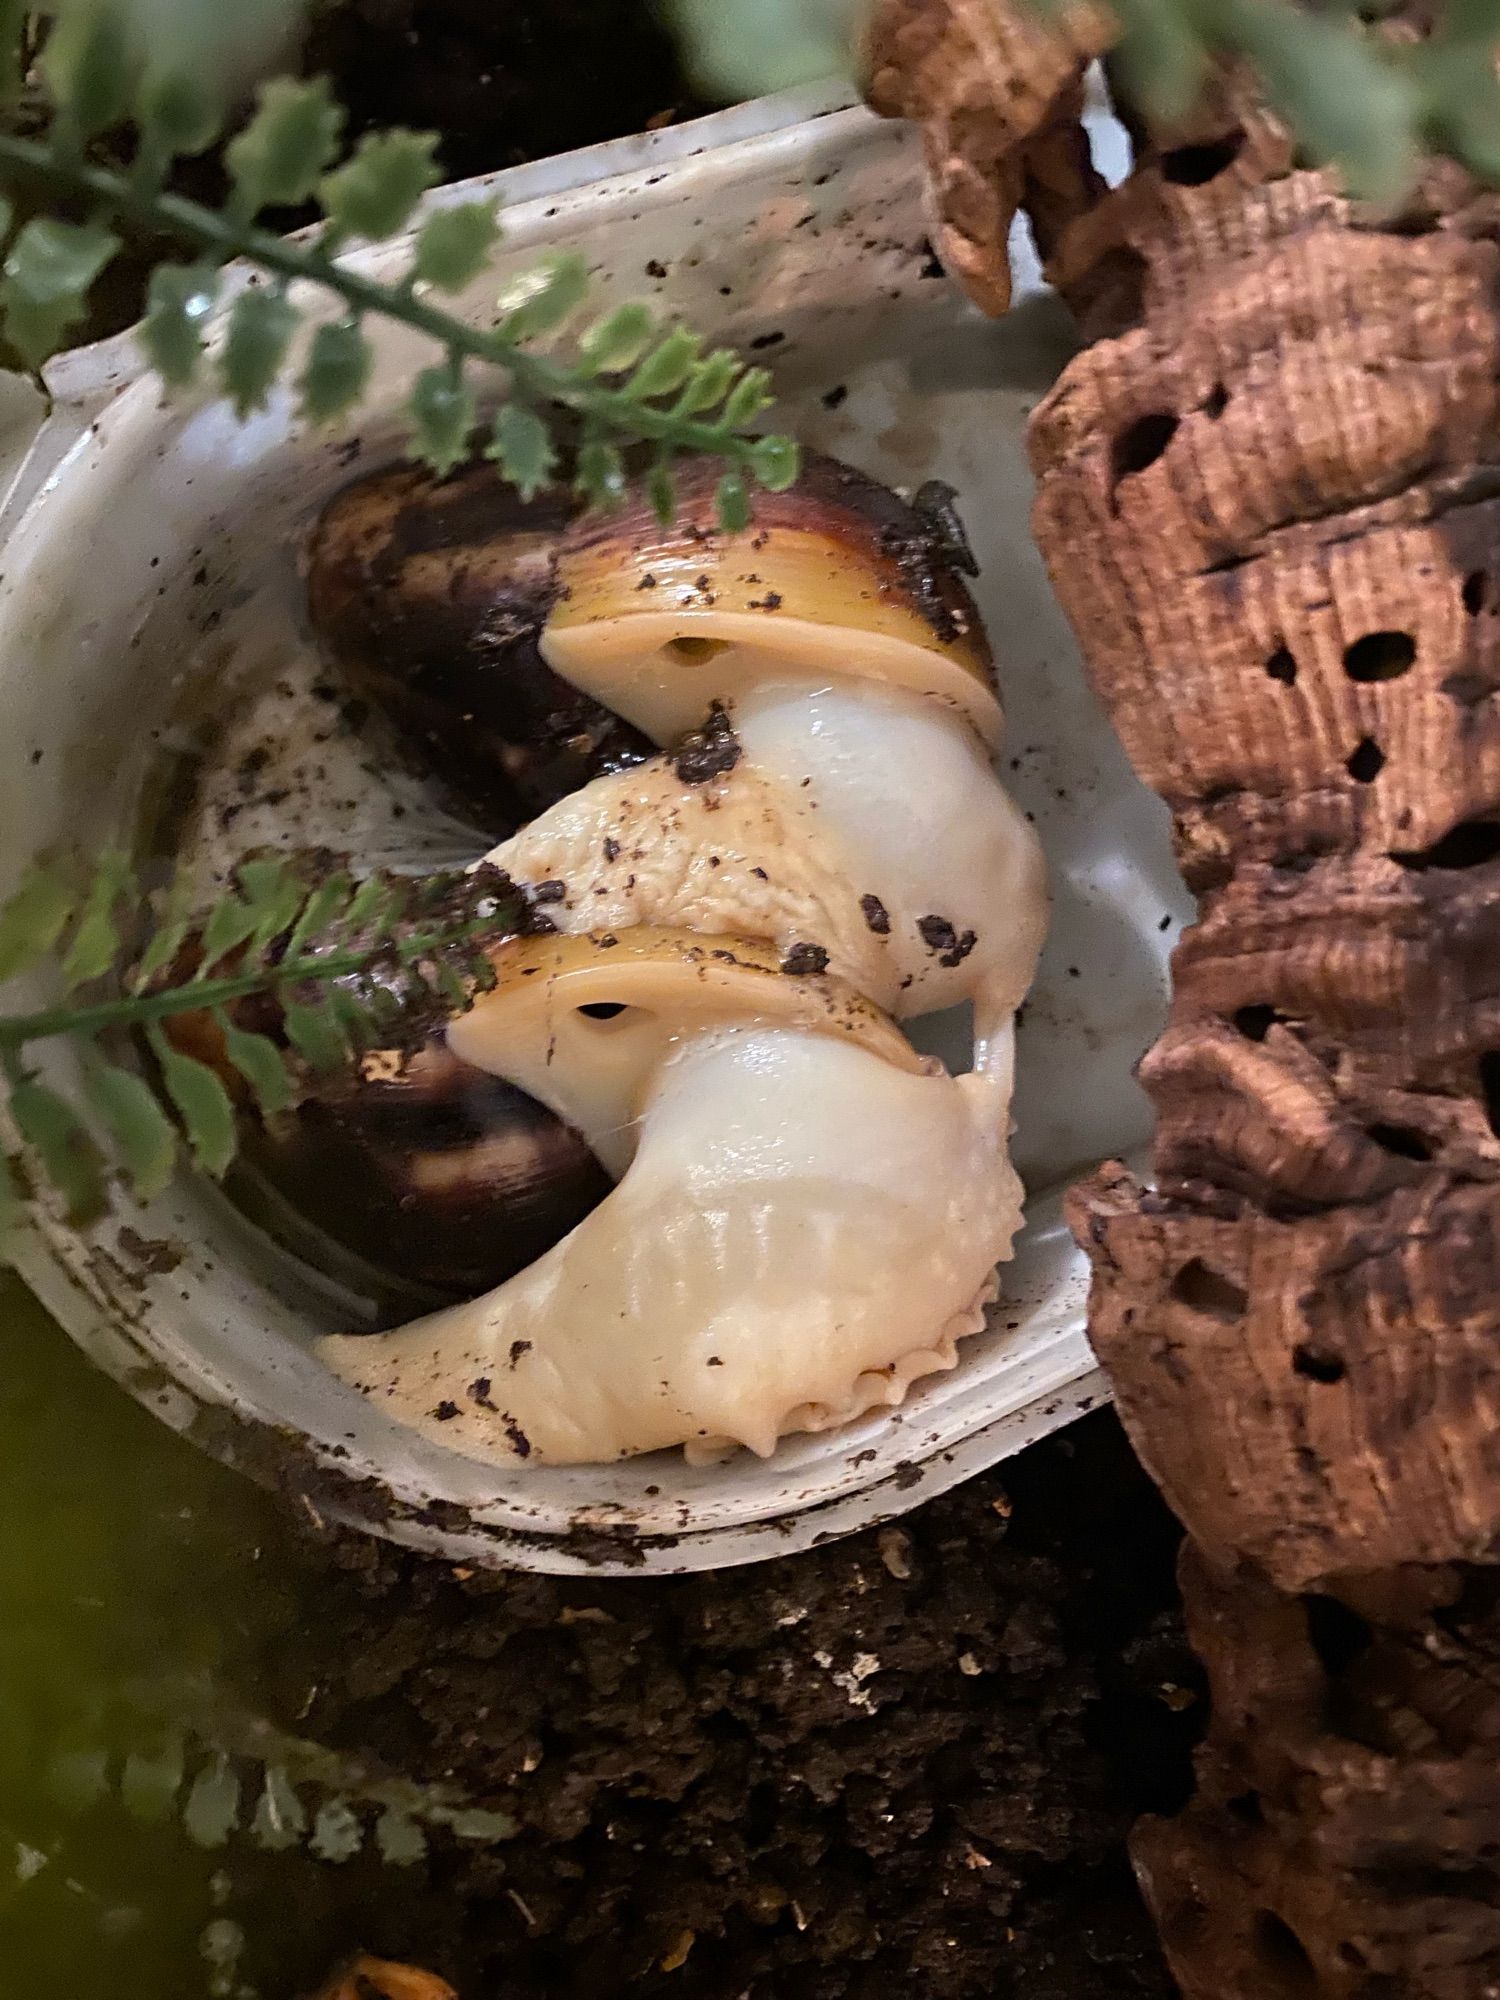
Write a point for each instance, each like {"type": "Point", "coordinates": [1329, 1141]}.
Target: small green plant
{"type": "Point", "coordinates": [180, 1754]}
{"type": "Point", "coordinates": [347, 964]}
{"type": "Point", "coordinates": [161, 70]}
{"type": "Point", "coordinates": [224, 1774]}
{"type": "Point", "coordinates": [1348, 94]}
{"type": "Point", "coordinates": [126, 89]}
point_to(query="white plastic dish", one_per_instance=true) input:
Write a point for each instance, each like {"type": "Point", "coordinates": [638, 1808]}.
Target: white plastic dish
{"type": "Point", "coordinates": [150, 603]}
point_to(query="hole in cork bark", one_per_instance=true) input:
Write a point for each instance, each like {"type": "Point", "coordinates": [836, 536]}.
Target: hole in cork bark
{"type": "Point", "coordinates": [1282, 667]}
{"type": "Point", "coordinates": [1217, 402]}
{"type": "Point", "coordinates": [1336, 1634]}
{"type": "Point", "coordinates": [1489, 1088]}
{"type": "Point", "coordinates": [1194, 166]}
{"type": "Point", "coordinates": [1116, 290]}
{"type": "Point", "coordinates": [1476, 590]}
{"type": "Point", "coordinates": [1468, 845]}
{"type": "Point", "coordinates": [1467, 688]}
{"type": "Point", "coordinates": [1182, 1920]}
{"type": "Point", "coordinates": [1400, 1140]}
{"type": "Point", "coordinates": [1419, 220]}
{"type": "Point", "coordinates": [1316, 1364]}
{"type": "Point", "coordinates": [1380, 656]}
{"type": "Point", "coordinates": [1400, 1881]}
{"type": "Point", "coordinates": [1142, 443]}
{"type": "Point", "coordinates": [1352, 1955]}
{"type": "Point", "coordinates": [1366, 761]}
{"type": "Point", "coordinates": [1247, 1808]}
{"type": "Point", "coordinates": [1257, 1021]}
{"type": "Point", "coordinates": [1283, 1954]}
{"type": "Point", "coordinates": [1209, 1291]}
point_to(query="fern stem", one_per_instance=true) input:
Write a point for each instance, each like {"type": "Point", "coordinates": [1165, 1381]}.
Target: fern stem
{"type": "Point", "coordinates": [138, 1009]}
{"type": "Point", "coordinates": [536, 377]}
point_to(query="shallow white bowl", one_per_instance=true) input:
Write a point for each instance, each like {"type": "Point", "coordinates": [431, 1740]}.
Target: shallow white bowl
{"type": "Point", "coordinates": [150, 604]}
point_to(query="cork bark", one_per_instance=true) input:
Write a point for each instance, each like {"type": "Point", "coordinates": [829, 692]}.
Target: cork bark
{"type": "Point", "coordinates": [1344, 1837]}
{"type": "Point", "coordinates": [1268, 494]}
{"type": "Point", "coordinates": [998, 93]}
{"type": "Point", "coordinates": [1269, 508]}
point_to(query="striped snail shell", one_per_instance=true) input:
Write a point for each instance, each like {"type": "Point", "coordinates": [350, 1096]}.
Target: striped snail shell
{"type": "Point", "coordinates": [429, 597]}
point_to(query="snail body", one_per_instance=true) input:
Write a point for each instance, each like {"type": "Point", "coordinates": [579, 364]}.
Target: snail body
{"type": "Point", "coordinates": [805, 843]}
{"type": "Point", "coordinates": [857, 822]}
{"type": "Point", "coordinates": [805, 1229]}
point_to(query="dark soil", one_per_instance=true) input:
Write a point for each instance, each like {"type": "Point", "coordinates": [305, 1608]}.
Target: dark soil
{"type": "Point", "coordinates": [502, 80]}
{"type": "Point", "coordinates": [912, 1755]}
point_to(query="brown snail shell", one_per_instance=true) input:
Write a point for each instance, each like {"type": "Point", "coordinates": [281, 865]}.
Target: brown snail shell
{"type": "Point", "coordinates": [413, 1178]}
{"type": "Point", "coordinates": [450, 604]}
{"type": "Point", "coordinates": [428, 596]}
{"type": "Point", "coordinates": [419, 1180]}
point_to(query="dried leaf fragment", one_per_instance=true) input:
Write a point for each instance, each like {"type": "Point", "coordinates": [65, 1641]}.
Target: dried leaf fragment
{"type": "Point", "coordinates": [366, 1978]}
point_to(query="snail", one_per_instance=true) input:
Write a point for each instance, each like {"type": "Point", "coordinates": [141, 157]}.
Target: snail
{"type": "Point", "coordinates": [389, 1176]}
{"type": "Point", "coordinates": [746, 780]}
{"type": "Point", "coordinates": [431, 596]}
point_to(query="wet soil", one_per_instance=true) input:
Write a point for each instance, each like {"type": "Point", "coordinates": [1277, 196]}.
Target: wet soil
{"type": "Point", "coordinates": [912, 1755]}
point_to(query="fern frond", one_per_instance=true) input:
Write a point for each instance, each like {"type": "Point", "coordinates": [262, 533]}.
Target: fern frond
{"type": "Point", "coordinates": [346, 965]}
{"type": "Point", "coordinates": [229, 1775]}
{"type": "Point", "coordinates": [629, 378]}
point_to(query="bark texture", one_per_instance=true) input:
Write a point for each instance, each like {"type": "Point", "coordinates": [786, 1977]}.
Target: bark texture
{"type": "Point", "coordinates": [1269, 509]}
{"type": "Point", "coordinates": [1344, 1840]}
{"type": "Point", "coordinates": [1269, 499]}
{"type": "Point", "coordinates": [998, 92]}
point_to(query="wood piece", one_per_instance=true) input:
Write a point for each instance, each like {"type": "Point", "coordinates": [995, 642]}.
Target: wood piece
{"type": "Point", "coordinates": [998, 92]}
{"type": "Point", "coordinates": [1345, 1837]}
{"type": "Point", "coordinates": [1317, 1394]}
{"type": "Point", "coordinates": [1268, 510]}
{"type": "Point", "coordinates": [1269, 500]}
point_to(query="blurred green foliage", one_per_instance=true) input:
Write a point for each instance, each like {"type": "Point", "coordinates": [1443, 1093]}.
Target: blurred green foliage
{"type": "Point", "coordinates": [1350, 96]}
{"type": "Point", "coordinates": [161, 81]}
